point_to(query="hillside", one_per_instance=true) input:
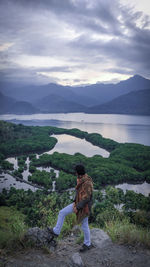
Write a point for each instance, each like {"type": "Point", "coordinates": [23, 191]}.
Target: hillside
{"type": "Point", "coordinates": [23, 107]}
{"type": "Point", "coordinates": [54, 103]}
{"type": "Point", "coordinates": [11, 105]}
{"type": "Point", "coordinates": [136, 103]}
{"type": "Point", "coordinates": [5, 103]}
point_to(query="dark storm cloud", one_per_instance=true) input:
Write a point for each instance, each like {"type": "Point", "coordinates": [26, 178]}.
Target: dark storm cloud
{"type": "Point", "coordinates": [102, 32]}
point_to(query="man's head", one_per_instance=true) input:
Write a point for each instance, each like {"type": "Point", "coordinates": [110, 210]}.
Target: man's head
{"type": "Point", "coordinates": [80, 169]}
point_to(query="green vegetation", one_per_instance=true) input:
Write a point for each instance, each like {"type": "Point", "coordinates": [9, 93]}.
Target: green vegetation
{"type": "Point", "coordinates": [102, 170]}
{"type": "Point", "coordinates": [135, 206]}
{"type": "Point", "coordinates": [17, 173]}
{"type": "Point", "coordinates": [41, 178]}
{"type": "Point", "coordinates": [21, 161]}
{"type": "Point", "coordinates": [20, 139]}
{"type": "Point", "coordinates": [41, 209]}
{"type": "Point", "coordinates": [12, 228]}
{"type": "Point", "coordinates": [5, 165]}
{"type": "Point", "coordinates": [98, 140]}
{"type": "Point", "coordinates": [125, 232]}
{"type": "Point", "coordinates": [134, 155]}
{"type": "Point", "coordinates": [127, 163]}
{"type": "Point", "coordinates": [65, 181]}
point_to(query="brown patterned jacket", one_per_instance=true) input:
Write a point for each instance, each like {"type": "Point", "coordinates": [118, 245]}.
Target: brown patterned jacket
{"type": "Point", "coordinates": [83, 199]}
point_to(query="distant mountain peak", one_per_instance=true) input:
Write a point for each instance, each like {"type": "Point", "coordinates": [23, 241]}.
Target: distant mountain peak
{"type": "Point", "coordinates": [137, 77]}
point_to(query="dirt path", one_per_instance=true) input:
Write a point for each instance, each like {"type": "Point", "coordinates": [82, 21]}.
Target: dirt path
{"type": "Point", "coordinates": [104, 254]}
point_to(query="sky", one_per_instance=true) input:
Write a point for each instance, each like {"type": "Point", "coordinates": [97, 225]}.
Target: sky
{"type": "Point", "coordinates": [74, 42]}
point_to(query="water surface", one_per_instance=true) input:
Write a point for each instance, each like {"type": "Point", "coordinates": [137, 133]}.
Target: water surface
{"type": "Point", "coordinates": [71, 145]}
{"type": "Point", "coordinates": [143, 188]}
{"type": "Point", "coordinates": [121, 128]}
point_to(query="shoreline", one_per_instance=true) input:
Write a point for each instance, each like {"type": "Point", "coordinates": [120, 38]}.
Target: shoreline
{"type": "Point", "coordinates": [71, 189]}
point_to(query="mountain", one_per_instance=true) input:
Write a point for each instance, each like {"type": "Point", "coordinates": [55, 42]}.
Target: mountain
{"type": "Point", "coordinates": [5, 103]}
{"type": "Point", "coordinates": [84, 95]}
{"type": "Point", "coordinates": [136, 103]}
{"type": "Point", "coordinates": [22, 107]}
{"type": "Point", "coordinates": [106, 92]}
{"type": "Point", "coordinates": [57, 98]}
{"type": "Point", "coordinates": [32, 93]}
{"type": "Point", "coordinates": [55, 104]}
{"type": "Point", "coordinates": [10, 105]}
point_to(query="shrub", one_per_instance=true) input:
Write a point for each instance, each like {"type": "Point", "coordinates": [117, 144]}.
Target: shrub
{"type": "Point", "coordinates": [125, 232]}
{"type": "Point", "coordinates": [107, 216]}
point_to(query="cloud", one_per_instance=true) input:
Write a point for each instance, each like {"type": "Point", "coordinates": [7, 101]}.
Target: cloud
{"type": "Point", "coordinates": [76, 40]}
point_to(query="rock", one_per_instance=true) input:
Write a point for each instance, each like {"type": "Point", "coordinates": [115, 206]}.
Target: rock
{"type": "Point", "coordinates": [134, 251]}
{"type": "Point", "coordinates": [76, 260]}
{"type": "Point", "coordinates": [40, 237]}
{"type": "Point", "coordinates": [99, 238]}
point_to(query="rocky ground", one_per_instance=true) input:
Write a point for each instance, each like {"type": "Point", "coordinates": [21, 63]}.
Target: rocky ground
{"type": "Point", "coordinates": [66, 253]}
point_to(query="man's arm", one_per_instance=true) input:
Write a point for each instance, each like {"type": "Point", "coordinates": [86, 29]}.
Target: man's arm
{"type": "Point", "coordinates": [82, 203]}
{"type": "Point", "coordinates": [86, 197]}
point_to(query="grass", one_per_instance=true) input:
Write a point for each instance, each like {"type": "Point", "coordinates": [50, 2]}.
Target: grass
{"type": "Point", "coordinates": [12, 228]}
{"type": "Point", "coordinates": [69, 223]}
{"type": "Point", "coordinates": [80, 239]}
{"type": "Point", "coordinates": [125, 232]}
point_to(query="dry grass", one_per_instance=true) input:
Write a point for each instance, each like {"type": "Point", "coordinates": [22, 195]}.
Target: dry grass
{"type": "Point", "coordinates": [125, 232]}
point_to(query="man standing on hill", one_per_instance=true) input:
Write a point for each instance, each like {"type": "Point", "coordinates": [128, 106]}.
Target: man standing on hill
{"type": "Point", "coordinates": [81, 206]}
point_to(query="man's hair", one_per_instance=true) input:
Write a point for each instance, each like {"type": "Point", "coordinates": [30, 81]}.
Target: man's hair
{"type": "Point", "coordinates": [80, 169]}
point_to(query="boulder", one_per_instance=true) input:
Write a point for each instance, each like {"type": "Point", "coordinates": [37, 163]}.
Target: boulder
{"type": "Point", "coordinates": [99, 238]}
{"type": "Point", "coordinates": [40, 237]}
{"type": "Point", "coordinates": [76, 260]}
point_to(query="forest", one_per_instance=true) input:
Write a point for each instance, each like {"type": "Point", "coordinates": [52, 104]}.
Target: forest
{"type": "Point", "coordinates": [126, 163]}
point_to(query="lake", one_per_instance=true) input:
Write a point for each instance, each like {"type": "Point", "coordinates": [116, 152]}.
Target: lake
{"type": "Point", "coordinates": [121, 128]}
{"type": "Point", "coordinates": [71, 145]}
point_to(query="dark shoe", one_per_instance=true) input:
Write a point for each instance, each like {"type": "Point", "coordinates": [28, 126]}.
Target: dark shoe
{"type": "Point", "coordinates": [50, 230]}
{"type": "Point", "coordinates": [85, 248]}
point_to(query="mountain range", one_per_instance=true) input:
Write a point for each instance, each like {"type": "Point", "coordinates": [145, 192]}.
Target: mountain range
{"type": "Point", "coordinates": [130, 96]}
{"type": "Point", "coordinates": [10, 105]}
{"type": "Point", "coordinates": [136, 103]}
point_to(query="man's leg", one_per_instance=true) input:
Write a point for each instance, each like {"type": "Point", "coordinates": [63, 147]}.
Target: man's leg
{"type": "Point", "coordinates": [61, 216]}
{"type": "Point", "coordinates": [86, 231]}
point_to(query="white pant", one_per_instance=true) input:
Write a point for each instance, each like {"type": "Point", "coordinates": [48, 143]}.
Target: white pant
{"type": "Point", "coordinates": [85, 227]}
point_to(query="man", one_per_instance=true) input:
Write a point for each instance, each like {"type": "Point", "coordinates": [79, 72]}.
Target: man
{"type": "Point", "coordinates": [81, 206]}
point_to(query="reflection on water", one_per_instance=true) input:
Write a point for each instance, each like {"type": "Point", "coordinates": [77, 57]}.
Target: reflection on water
{"type": "Point", "coordinates": [9, 181]}
{"type": "Point", "coordinates": [83, 117]}
{"type": "Point", "coordinates": [143, 188]}
{"type": "Point", "coordinates": [121, 128]}
{"type": "Point", "coordinates": [71, 145]}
